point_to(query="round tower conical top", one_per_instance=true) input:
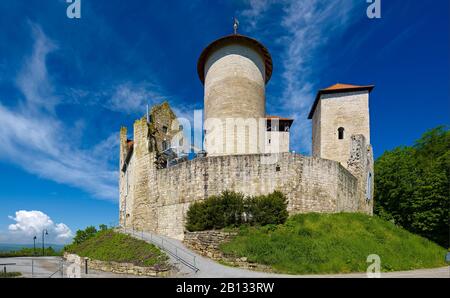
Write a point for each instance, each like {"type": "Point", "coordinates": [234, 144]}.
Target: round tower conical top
{"type": "Point", "coordinates": [236, 39]}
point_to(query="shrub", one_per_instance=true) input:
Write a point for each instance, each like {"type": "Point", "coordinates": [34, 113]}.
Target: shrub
{"type": "Point", "coordinates": [232, 209]}
{"type": "Point", "coordinates": [216, 212]}
{"type": "Point", "coordinates": [196, 219]}
{"type": "Point", "coordinates": [228, 210]}
{"type": "Point", "coordinates": [269, 209]}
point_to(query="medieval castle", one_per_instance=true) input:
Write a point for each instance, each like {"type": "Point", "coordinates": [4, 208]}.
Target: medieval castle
{"type": "Point", "coordinates": [244, 149]}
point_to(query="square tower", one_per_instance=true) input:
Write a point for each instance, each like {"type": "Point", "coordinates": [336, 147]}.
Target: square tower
{"type": "Point", "coordinates": [338, 113]}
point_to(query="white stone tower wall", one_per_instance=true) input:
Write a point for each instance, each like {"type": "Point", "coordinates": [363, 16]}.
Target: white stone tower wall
{"type": "Point", "coordinates": [347, 110]}
{"type": "Point", "coordinates": [234, 89]}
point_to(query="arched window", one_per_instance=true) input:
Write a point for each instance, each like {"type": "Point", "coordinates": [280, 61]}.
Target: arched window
{"type": "Point", "coordinates": [341, 133]}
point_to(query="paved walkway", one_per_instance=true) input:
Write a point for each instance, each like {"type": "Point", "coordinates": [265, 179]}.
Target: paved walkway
{"type": "Point", "coordinates": [210, 268]}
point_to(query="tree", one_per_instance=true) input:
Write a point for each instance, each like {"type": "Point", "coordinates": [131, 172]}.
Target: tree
{"type": "Point", "coordinates": [83, 235]}
{"type": "Point", "coordinates": [412, 186]}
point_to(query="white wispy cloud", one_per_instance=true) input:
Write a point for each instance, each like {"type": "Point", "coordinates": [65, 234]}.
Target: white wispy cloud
{"type": "Point", "coordinates": [304, 30]}
{"type": "Point", "coordinates": [254, 11]}
{"type": "Point", "coordinates": [35, 139]}
{"type": "Point", "coordinates": [132, 98]}
{"type": "Point", "coordinates": [33, 78]}
{"type": "Point", "coordinates": [31, 223]}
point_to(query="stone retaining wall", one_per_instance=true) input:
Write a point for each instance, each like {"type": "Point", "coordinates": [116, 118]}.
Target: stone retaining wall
{"type": "Point", "coordinates": [207, 243]}
{"type": "Point", "coordinates": [115, 267]}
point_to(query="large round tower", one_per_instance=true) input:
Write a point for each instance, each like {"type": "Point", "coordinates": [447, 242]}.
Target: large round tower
{"type": "Point", "coordinates": [234, 70]}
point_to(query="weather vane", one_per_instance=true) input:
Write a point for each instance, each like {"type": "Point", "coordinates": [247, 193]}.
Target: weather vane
{"type": "Point", "coordinates": [235, 25]}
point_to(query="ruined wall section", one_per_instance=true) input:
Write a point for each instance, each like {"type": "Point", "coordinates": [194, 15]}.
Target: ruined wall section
{"type": "Point", "coordinates": [143, 209]}
{"type": "Point", "coordinates": [361, 165]}
{"type": "Point", "coordinates": [122, 179]}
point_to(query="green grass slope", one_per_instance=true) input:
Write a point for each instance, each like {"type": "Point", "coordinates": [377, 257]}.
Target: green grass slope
{"type": "Point", "coordinates": [334, 243]}
{"type": "Point", "coordinates": [112, 246]}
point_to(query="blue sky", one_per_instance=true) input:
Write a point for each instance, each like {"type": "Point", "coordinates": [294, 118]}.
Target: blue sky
{"type": "Point", "coordinates": [67, 85]}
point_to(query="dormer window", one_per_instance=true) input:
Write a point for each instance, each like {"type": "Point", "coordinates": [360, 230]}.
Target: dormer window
{"type": "Point", "coordinates": [340, 133]}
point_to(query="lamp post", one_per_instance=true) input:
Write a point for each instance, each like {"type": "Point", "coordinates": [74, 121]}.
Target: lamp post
{"type": "Point", "coordinates": [34, 245]}
{"type": "Point", "coordinates": [46, 233]}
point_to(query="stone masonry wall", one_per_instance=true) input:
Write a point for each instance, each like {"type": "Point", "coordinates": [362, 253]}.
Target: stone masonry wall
{"type": "Point", "coordinates": [347, 110]}
{"type": "Point", "coordinates": [115, 267]}
{"type": "Point", "coordinates": [157, 199]}
{"type": "Point", "coordinates": [360, 164]}
{"type": "Point", "coordinates": [311, 185]}
{"type": "Point", "coordinates": [207, 242]}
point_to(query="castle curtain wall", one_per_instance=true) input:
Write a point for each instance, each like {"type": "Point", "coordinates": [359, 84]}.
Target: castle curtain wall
{"type": "Point", "coordinates": [311, 185]}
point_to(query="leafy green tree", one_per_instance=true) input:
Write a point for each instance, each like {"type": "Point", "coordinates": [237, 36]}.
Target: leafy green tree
{"type": "Point", "coordinates": [412, 186]}
{"type": "Point", "coordinates": [103, 227]}
{"type": "Point", "coordinates": [83, 235]}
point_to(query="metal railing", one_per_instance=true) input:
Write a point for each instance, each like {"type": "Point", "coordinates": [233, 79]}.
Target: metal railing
{"type": "Point", "coordinates": [180, 254]}
{"type": "Point", "coordinates": [35, 267]}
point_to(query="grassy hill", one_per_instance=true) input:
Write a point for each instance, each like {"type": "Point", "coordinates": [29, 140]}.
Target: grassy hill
{"type": "Point", "coordinates": [108, 245]}
{"type": "Point", "coordinates": [334, 243]}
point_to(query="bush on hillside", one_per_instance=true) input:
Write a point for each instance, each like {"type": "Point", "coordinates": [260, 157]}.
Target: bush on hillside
{"type": "Point", "coordinates": [269, 209]}
{"type": "Point", "coordinates": [232, 209]}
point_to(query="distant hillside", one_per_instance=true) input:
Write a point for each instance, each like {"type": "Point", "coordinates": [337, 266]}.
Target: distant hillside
{"type": "Point", "coordinates": [15, 247]}
{"type": "Point", "coordinates": [334, 243]}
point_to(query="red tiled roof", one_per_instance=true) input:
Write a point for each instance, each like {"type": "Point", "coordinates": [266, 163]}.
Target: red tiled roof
{"type": "Point", "coordinates": [337, 88]}
{"type": "Point", "coordinates": [340, 87]}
